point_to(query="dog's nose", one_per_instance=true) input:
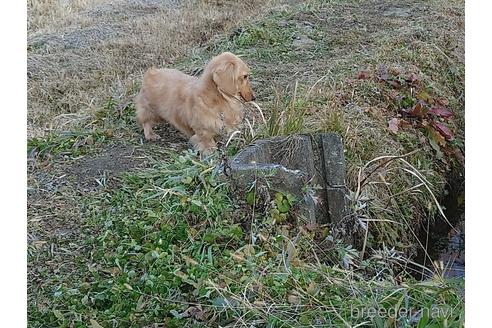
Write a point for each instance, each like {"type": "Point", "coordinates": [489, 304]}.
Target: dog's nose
{"type": "Point", "coordinates": [253, 97]}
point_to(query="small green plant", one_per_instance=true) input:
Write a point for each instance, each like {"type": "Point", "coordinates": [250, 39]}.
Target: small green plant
{"type": "Point", "coordinates": [116, 115]}
{"type": "Point", "coordinates": [72, 143]}
{"type": "Point", "coordinates": [281, 205]}
{"type": "Point", "coordinates": [333, 122]}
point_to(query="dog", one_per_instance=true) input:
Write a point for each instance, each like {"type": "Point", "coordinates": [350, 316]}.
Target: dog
{"type": "Point", "coordinates": [199, 107]}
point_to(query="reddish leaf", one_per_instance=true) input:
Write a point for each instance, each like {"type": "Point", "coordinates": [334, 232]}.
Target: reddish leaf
{"type": "Point", "coordinates": [394, 83]}
{"type": "Point", "coordinates": [440, 111]}
{"type": "Point", "coordinates": [443, 130]}
{"type": "Point", "coordinates": [363, 75]}
{"type": "Point", "coordinates": [395, 70]}
{"type": "Point", "coordinates": [393, 125]}
{"type": "Point", "coordinates": [417, 111]}
{"type": "Point", "coordinates": [442, 101]}
{"type": "Point", "coordinates": [435, 138]}
{"type": "Point", "coordinates": [404, 124]}
{"type": "Point", "coordinates": [413, 78]}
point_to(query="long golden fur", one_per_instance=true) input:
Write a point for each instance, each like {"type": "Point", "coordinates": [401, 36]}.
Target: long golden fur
{"type": "Point", "coordinates": [198, 107]}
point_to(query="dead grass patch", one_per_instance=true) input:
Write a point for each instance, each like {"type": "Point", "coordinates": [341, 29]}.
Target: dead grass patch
{"type": "Point", "coordinates": [101, 51]}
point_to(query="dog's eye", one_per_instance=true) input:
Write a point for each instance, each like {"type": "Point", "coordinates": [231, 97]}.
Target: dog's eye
{"type": "Point", "coordinates": [245, 77]}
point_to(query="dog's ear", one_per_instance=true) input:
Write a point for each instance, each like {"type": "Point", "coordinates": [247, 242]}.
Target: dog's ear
{"type": "Point", "coordinates": [225, 77]}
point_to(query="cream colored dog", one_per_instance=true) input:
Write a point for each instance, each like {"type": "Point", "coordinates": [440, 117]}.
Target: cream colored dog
{"type": "Point", "coordinates": [198, 107]}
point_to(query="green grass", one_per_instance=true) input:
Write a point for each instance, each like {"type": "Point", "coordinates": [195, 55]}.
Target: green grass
{"type": "Point", "coordinates": [71, 143]}
{"type": "Point", "coordinates": [109, 123]}
{"type": "Point", "coordinates": [170, 246]}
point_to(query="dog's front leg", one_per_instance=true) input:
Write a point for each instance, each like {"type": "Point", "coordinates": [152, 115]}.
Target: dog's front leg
{"type": "Point", "coordinates": [204, 142]}
{"type": "Point", "coordinates": [149, 133]}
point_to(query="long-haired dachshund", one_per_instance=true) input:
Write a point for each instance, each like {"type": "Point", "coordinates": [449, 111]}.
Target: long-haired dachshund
{"type": "Point", "coordinates": [199, 107]}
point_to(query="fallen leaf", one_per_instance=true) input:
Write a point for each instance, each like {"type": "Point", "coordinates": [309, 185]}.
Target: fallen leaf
{"type": "Point", "coordinates": [293, 299]}
{"type": "Point", "coordinates": [424, 96]}
{"type": "Point", "coordinates": [442, 101]}
{"type": "Point", "coordinates": [238, 256]}
{"type": "Point", "coordinates": [189, 260]}
{"type": "Point", "coordinates": [249, 250]}
{"type": "Point", "coordinates": [437, 142]}
{"type": "Point", "coordinates": [416, 111]}
{"type": "Point", "coordinates": [436, 137]}
{"type": "Point", "coordinates": [395, 70]}
{"type": "Point", "coordinates": [311, 226]}
{"type": "Point", "coordinates": [181, 275]}
{"type": "Point", "coordinates": [194, 312]}
{"type": "Point", "coordinates": [115, 271]}
{"type": "Point", "coordinates": [262, 237]}
{"type": "Point", "coordinates": [200, 315]}
{"type": "Point", "coordinates": [459, 155]}
{"type": "Point", "coordinates": [363, 75]}
{"type": "Point", "coordinates": [393, 125]}
{"type": "Point", "coordinates": [313, 288]}
{"type": "Point", "coordinates": [259, 303]}
{"type": "Point", "coordinates": [404, 124]}
{"type": "Point", "coordinates": [140, 303]}
{"type": "Point", "coordinates": [443, 130]}
{"type": "Point", "coordinates": [441, 112]}
{"type": "Point", "coordinates": [394, 83]}
{"type": "Point", "coordinates": [413, 78]}
{"type": "Point", "coordinates": [437, 148]}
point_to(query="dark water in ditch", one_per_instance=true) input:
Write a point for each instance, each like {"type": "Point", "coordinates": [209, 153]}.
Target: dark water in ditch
{"type": "Point", "coordinates": [446, 240]}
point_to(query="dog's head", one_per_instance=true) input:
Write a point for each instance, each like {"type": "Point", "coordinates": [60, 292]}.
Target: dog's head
{"type": "Point", "coordinates": [231, 75]}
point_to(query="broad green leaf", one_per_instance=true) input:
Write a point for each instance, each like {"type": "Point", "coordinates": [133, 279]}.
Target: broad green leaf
{"type": "Point", "coordinates": [250, 198]}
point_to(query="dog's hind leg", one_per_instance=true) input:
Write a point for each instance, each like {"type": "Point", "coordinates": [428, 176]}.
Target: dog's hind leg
{"type": "Point", "coordinates": [146, 118]}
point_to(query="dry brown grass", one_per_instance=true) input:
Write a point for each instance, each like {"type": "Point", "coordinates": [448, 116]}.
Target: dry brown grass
{"type": "Point", "coordinates": [81, 54]}
{"type": "Point", "coordinates": [46, 13]}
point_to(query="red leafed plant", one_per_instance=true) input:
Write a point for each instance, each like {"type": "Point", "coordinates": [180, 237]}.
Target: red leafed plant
{"type": "Point", "coordinates": [417, 107]}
